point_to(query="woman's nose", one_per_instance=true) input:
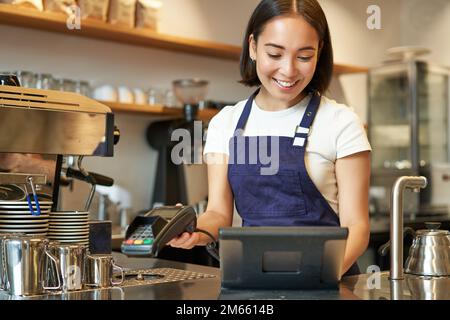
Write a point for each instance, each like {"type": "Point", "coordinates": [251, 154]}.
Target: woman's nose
{"type": "Point", "coordinates": [288, 68]}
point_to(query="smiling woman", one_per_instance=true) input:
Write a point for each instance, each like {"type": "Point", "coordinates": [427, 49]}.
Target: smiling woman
{"type": "Point", "coordinates": [287, 54]}
{"type": "Point", "coordinates": [292, 37]}
{"type": "Point", "coordinates": [320, 147]}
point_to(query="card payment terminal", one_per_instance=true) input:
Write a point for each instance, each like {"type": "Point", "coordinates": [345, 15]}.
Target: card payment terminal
{"type": "Point", "coordinates": [149, 233]}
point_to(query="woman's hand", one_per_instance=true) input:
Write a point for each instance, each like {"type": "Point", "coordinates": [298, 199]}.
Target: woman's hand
{"type": "Point", "coordinates": [185, 241]}
{"type": "Point", "coordinates": [219, 212]}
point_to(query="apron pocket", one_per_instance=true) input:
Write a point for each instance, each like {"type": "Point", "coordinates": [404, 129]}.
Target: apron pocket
{"type": "Point", "coordinates": [274, 195]}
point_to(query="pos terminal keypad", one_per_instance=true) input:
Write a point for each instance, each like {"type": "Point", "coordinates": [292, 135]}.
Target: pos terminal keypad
{"type": "Point", "coordinates": [141, 236]}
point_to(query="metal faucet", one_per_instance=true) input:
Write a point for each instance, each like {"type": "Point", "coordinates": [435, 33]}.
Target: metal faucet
{"type": "Point", "coordinates": [410, 182]}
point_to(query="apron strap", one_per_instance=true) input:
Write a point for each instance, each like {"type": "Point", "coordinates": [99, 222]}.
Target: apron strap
{"type": "Point", "coordinates": [302, 131]}
{"type": "Point", "coordinates": [246, 112]}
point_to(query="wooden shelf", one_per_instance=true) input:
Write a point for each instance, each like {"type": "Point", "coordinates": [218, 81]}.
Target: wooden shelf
{"type": "Point", "coordinates": [339, 69]}
{"type": "Point", "coordinates": [157, 110]}
{"type": "Point", "coordinates": [56, 22]}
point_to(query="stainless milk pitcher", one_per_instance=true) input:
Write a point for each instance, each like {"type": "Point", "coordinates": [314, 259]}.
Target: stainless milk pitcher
{"type": "Point", "coordinates": [3, 236]}
{"type": "Point", "coordinates": [24, 262]}
{"type": "Point", "coordinates": [99, 271]}
{"type": "Point", "coordinates": [71, 259]}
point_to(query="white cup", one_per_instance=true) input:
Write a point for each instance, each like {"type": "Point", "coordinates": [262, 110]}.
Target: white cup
{"type": "Point", "coordinates": [106, 93]}
{"type": "Point", "coordinates": [125, 95]}
{"type": "Point", "coordinates": [139, 96]}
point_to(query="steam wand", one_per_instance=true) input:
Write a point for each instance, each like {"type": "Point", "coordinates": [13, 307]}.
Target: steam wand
{"type": "Point", "coordinates": [90, 179]}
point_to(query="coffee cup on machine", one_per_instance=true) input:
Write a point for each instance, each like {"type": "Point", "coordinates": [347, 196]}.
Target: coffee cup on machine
{"type": "Point", "coordinates": [100, 271]}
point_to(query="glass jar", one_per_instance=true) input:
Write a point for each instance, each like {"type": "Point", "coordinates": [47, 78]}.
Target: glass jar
{"type": "Point", "coordinates": [45, 81]}
{"type": "Point", "coordinates": [27, 78]}
{"type": "Point", "coordinates": [154, 96]}
{"type": "Point", "coordinates": [66, 85]}
{"type": "Point", "coordinates": [170, 100]}
{"type": "Point", "coordinates": [84, 88]}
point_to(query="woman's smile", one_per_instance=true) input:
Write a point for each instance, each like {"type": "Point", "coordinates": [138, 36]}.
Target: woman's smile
{"type": "Point", "coordinates": [286, 85]}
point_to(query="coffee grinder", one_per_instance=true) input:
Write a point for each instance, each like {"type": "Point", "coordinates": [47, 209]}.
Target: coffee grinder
{"type": "Point", "coordinates": [184, 182]}
{"type": "Point", "coordinates": [180, 181]}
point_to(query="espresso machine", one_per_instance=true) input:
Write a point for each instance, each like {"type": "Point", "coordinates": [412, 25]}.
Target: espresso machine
{"type": "Point", "coordinates": [46, 126]}
{"type": "Point", "coordinates": [53, 124]}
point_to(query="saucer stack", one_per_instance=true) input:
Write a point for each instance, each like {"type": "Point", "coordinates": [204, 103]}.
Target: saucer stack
{"type": "Point", "coordinates": [15, 216]}
{"type": "Point", "coordinates": [69, 227]}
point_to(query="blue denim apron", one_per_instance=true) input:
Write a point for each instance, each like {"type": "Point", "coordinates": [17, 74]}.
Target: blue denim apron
{"type": "Point", "coordinates": [287, 198]}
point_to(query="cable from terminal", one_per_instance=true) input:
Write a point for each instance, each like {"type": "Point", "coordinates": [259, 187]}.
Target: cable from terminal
{"type": "Point", "coordinates": [211, 247]}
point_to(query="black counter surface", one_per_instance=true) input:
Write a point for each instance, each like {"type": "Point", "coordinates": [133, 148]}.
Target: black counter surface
{"type": "Point", "coordinates": [208, 288]}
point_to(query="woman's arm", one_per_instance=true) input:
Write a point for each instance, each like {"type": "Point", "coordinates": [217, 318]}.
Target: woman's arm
{"type": "Point", "coordinates": [219, 212]}
{"type": "Point", "coordinates": [353, 178]}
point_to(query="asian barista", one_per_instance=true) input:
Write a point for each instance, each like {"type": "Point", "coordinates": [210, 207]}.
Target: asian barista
{"type": "Point", "coordinates": [321, 149]}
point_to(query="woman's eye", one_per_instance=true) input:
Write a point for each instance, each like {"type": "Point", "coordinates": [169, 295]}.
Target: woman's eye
{"type": "Point", "coordinates": [274, 56]}
{"type": "Point", "coordinates": [304, 58]}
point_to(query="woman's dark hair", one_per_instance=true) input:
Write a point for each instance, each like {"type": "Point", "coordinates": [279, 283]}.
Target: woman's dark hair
{"type": "Point", "coordinates": [311, 11]}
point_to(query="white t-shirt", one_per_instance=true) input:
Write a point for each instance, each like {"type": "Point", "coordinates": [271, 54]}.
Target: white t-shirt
{"type": "Point", "coordinates": [336, 132]}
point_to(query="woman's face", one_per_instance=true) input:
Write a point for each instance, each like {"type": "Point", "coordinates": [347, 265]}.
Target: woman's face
{"type": "Point", "coordinates": [286, 56]}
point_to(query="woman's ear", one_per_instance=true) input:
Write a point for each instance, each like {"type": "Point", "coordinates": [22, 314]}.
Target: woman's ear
{"type": "Point", "coordinates": [252, 47]}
